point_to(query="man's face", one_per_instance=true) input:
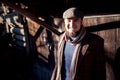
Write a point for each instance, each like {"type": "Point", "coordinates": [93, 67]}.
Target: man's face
{"type": "Point", "coordinates": [72, 25]}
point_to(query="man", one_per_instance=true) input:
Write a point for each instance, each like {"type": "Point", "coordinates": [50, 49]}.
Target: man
{"type": "Point", "coordinates": [80, 53]}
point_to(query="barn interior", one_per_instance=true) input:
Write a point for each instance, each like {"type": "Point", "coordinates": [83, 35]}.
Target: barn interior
{"type": "Point", "coordinates": [31, 38]}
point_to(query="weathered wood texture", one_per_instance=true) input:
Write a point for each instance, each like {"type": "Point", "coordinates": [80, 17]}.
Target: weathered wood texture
{"type": "Point", "coordinates": [108, 27]}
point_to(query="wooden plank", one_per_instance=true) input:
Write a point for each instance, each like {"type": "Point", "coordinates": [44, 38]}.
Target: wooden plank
{"type": "Point", "coordinates": [20, 38]}
{"type": "Point", "coordinates": [109, 42]}
{"type": "Point", "coordinates": [95, 20]}
{"type": "Point", "coordinates": [17, 30]}
{"type": "Point", "coordinates": [117, 37]}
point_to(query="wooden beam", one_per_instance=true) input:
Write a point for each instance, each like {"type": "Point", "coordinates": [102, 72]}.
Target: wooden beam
{"type": "Point", "coordinates": [31, 16]}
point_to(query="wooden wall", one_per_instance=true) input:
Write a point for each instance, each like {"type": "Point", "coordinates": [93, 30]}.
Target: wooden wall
{"type": "Point", "coordinates": [108, 27]}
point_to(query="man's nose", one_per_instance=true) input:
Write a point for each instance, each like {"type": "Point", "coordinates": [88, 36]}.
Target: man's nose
{"type": "Point", "coordinates": [71, 23]}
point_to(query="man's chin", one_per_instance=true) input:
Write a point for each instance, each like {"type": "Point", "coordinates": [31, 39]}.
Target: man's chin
{"type": "Point", "coordinates": [72, 34]}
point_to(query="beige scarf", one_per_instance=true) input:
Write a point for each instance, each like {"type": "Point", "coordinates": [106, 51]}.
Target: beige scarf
{"type": "Point", "coordinates": [64, 38]}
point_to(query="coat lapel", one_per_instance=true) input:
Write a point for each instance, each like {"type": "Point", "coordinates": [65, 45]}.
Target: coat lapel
{"type": "Point", "coordinates": [81, 53]}
{"type": "Point", "coordinates": [84, 49]}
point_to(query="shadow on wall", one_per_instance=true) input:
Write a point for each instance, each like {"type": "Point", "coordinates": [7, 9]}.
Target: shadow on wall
{"type": "Point", "coordinates": [105, 26]}
{"type": "Point", "coordinates": [117, 64]}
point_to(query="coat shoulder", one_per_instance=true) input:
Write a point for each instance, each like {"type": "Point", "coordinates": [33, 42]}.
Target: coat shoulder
{"type": "Point", "coordinates": [93, 38]}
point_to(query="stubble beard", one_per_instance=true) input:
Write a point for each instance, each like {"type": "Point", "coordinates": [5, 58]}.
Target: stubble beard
{"type": "Point", "coordinates": [72, 34]}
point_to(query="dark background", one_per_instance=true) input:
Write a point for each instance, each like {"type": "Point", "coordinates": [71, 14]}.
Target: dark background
{"type": "Point", "coordinates": [56, 7]}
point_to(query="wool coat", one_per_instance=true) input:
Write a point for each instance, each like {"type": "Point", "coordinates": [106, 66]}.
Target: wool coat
{"type": "Point", "coordinates": [89, 63]}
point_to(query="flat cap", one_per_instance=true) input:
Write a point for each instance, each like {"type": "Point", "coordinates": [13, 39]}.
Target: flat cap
{"type": "Point", "coordinates": [72, 12]}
